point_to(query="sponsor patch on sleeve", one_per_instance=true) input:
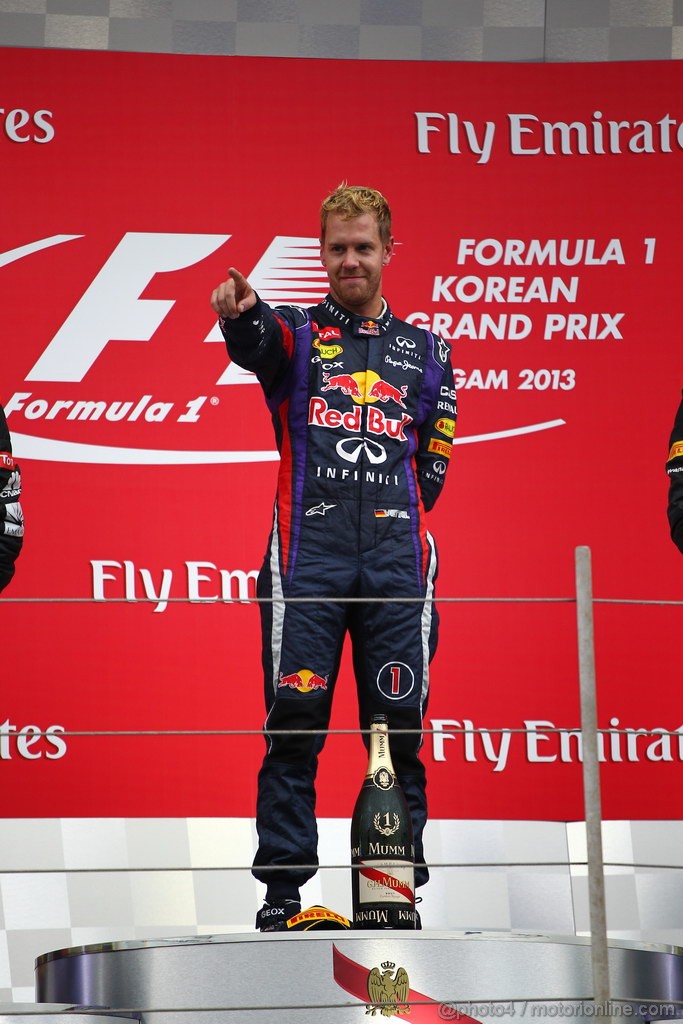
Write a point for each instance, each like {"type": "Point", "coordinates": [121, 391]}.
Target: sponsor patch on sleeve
{"type": "Point", "coordinates": [12, 488]}
{"type": "Point", "coordinates": [327, 351]}
{"type": "Point", "coordinates": [446, 426]}
{"type": "Point", "coordinates": [442, 350]}
{"type": "Point", "coordinates": [328, 333]}
{"type": "Point", "coordinates": [676, 450]}
{"type": "Point", "coordinates": [438, 447]}
{"type": "Point", "coordinates": [12, 520]}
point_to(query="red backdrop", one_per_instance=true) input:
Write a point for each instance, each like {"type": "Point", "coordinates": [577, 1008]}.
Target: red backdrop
{"type": "Point", "coordinates": [537, 211]}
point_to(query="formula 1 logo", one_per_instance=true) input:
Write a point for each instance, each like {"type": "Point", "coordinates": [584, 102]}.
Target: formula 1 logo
{"type": "Point", "coordinates": [111, 307]}
{"type": "Point", "coordinates": [57, 396]}
{"type": "Point", "coordinates": [54, 395]}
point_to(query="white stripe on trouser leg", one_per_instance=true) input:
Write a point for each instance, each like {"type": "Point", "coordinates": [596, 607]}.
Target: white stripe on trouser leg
{"type": "Point", "coordinates": [427, 617]}
{"type": "Point", "coordinates": [278, 611]}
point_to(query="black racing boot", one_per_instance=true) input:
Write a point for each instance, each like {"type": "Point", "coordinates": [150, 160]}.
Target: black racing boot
{"type": "Point", "coordinates": [274, 914]}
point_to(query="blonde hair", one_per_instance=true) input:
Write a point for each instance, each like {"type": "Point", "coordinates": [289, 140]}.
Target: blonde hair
{"type": "Point", "coordinates": [353, 201]}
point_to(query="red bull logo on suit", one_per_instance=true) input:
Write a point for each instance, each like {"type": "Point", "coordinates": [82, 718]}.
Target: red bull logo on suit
{"type": "Point", "coordinates": [305, 681]}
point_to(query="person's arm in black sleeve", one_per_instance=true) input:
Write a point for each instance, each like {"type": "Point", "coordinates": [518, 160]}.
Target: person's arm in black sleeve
{"type": "Point", "coordinates": [436, 432]}
{"type": "Point", "coordinates": [262, 340]}
{"type": "Point", "coordinates": [674, 468]}
{"type": "Point", "coordinates": [258, 338]}
{"type": "Point", "coordinates": [11, 517]}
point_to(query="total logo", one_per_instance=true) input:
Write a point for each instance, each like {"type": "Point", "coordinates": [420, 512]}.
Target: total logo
{"type": "Point", "coordinates": [305, 681]}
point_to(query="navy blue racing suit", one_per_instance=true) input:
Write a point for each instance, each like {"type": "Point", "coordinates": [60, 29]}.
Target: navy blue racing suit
{"type": "Point", "coordinates": [364, 415]}
{"type": "Point", "coordinates": [11, 516]}
{"type": "Point", "coordinates": [674, 468]}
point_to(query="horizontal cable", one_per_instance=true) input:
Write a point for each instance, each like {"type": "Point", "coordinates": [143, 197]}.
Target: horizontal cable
{"type": "Point", "coordinates": [632, 600]}
{"type": "Point", "coordinates": [331, 600]}
{"type": "Point", "coordinates": [450, 731]}
{"type": "Point", "coordinates": [328, 600]}
{"type": "Point", "coordinates": [335, 867]}
{"type": "Point", "coordinates": [274, 600]}
{"type": "Point", "coordinates": [451, 1008]}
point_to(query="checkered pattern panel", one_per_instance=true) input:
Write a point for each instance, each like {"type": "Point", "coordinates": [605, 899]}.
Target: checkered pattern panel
{"type": "Point", "coordinates": [73, 882]}
{"type": "Point", "coordinates": [54, 889]}
{"type": "Point", "coordinates": [490, 30]}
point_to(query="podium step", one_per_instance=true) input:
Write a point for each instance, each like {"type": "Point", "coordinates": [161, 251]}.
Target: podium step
{"type": "Point", "coordinates": [342, 977]}
{"type": "Point", "coordinates": [31, 1013]}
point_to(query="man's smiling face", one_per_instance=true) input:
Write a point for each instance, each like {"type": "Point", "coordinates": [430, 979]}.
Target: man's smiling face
{"type": "Point", "coordinates": [354, 256]}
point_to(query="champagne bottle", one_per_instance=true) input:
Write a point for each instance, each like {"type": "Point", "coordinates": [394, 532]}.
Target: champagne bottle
{"type": "Point", "coordinates": [382, 851]}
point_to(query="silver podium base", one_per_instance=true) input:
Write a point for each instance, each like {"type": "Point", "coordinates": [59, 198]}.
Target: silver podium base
{"type": "Point", "coordinates": [342, 977]}
{"type": "Point", "coordinates": [29, 1013]}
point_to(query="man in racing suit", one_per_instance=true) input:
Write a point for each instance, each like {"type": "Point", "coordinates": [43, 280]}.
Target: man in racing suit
{"type": "Point", "coordinates": [674, 468]}
{"type": "Point", "coordinates": [363, 408]}
{"type": "Point", "coordinates": [11, 517]}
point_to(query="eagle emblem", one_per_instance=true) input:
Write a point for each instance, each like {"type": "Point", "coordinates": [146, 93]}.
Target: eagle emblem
{"type": "Point", "coordinates": [388, 993]}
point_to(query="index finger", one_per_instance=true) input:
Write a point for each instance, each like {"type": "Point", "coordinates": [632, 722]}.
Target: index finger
{"type": "Point", "coordinates": [239, 278]}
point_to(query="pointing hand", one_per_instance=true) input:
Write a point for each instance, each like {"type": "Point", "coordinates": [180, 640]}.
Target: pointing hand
{"type": "Point", "coordinates": [233, 296]}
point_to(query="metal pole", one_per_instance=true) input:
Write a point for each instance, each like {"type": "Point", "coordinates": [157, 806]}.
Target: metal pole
{"type": "Point", "coordinates": [591, 778]}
